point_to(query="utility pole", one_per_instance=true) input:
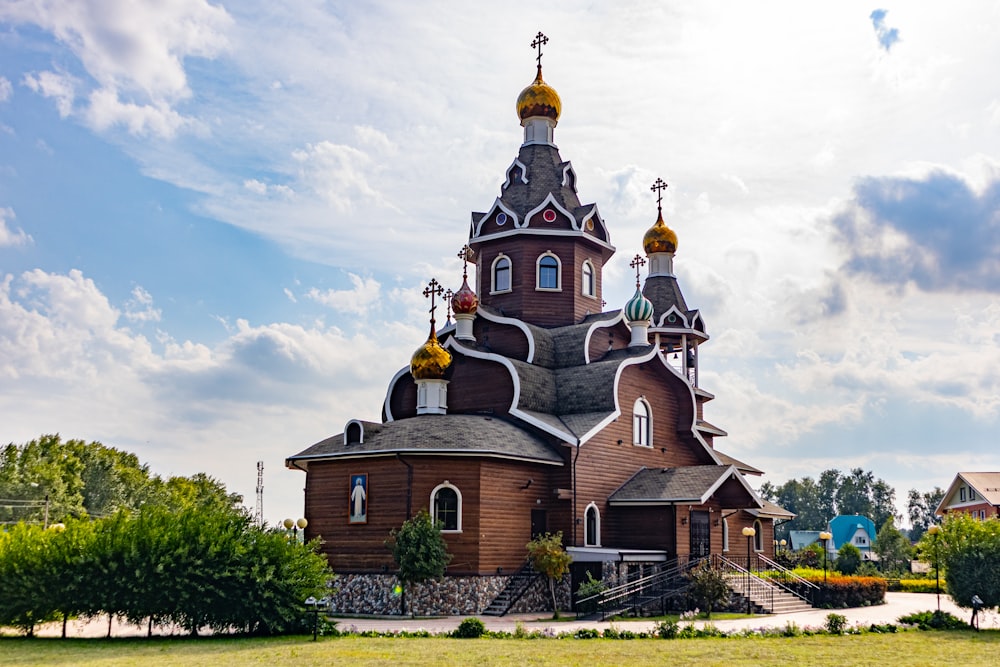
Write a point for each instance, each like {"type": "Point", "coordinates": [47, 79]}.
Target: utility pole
{"type": "Point", "coordinates": [260, 494]}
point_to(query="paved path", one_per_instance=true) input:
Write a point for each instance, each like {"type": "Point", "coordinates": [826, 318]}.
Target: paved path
{"type": "Point", "coordinates": [897, 604]}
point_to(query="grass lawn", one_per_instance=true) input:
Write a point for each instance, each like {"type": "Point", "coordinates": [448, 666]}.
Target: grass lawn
{"type": "Point", "coordinates": [909, 648]}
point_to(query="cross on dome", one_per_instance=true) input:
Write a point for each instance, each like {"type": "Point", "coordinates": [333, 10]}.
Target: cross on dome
{"type": "Point", "coordinates": [464, 255]}
{"type": "Point", "coordinates": [636, 263]}
{"type": "Point", "coordinates": [433, 289]}
{"type": "Point", "coordinates": [539, 40]}
{"type": "Point", "coordinates": [447, 300]}
{"type": "Point", "coordinates": [658, 187]}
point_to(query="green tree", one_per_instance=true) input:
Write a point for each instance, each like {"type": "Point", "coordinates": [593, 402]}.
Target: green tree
{"type": "Point", "coordinates": [26, 592]}
{"type": "Point", "coordinates": [920, 509]}
{"type": "Point", "coordinates": [708, 588]}
{"type": "Point", "coordinates": [419, 550]}
{"type": "Point", "coordinates": [969, 551]}
{"type": "Point", "coordinates": [548, 556]}
{"type": "Point", "coordinates": [893, 549]}
{"type": "Point", "coordinates": [848, 558]}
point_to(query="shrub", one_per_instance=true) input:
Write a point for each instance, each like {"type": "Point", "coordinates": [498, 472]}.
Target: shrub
{"type": "Point", "coordinates": [848, 558]}
{"type": "Point", "coordinates": [842, 592]}
{"type": "Point", "coordinates": [919, 586]}
{"type": "Point", "coordinates": [589, 588]}
{"type": "Point", "coordinates": [934, 620]}
{"type": "Point", "coordinates": [708, 588]}
{"type": "Point", "coordinates": [835, 623]}
{"type": "Point", "coordinates": [667, 629]}
{"type": "Point", "coordinates": [587, 633]}
{"type": "Point", "coordinates": [470, 628]}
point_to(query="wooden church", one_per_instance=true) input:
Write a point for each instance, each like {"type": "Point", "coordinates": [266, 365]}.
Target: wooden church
{"type": "Point", "coordinates": [538, 410]}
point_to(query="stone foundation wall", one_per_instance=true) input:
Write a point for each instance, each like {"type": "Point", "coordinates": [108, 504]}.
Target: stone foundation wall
{"type": "Point", "coordinates": [452, 596]}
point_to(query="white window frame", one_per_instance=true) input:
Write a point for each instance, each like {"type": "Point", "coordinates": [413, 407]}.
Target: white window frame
{"type": "Point", "coordinates": [433, 505]}
{"type": "Point", "coordinates": [588, 279]}
{"type": "Point", "coordinates": [493, 275]}
{"type": "Point", "coordinates": [538, 272]}
{"type": "Point", "coordinates": [725, 535]}
{"type": "Point", "coordinates": [588, 539]}
{"type": "Point", "coordinates": [637, 432]}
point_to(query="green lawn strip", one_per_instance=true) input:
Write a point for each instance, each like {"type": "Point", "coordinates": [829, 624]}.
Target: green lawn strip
{"type": "Point", "coordinates": [911, 648]}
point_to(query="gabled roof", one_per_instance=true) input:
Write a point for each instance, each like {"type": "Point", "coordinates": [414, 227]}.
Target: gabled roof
{"type": "Point", "coordinates": [744, 468]}
{"type": "Point", "coordinates": [689, 484]}
{"type": "Point", "coordinates": [772, 511]}
{"type": "Point", "coordinates": [845, 526]}
{"type": "Point", "coordinates": [437, 434]}
{"type": "Point", "coordinates": [985, 484]}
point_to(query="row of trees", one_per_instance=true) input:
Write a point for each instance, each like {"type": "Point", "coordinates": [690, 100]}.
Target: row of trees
{"type": "Point", "coordinates": [967, 551]}
{"type": "Point", "coordinates": [192, 569]}
{"type": "Point", "coordinates": [129, 544]}
{"type": "Point", "coordinates": [90, 479]}
{"type": "Point", "coordinates": [815, 502]}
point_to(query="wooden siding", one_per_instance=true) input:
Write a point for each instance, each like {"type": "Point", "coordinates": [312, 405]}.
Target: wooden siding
{"type": "Point", "coordinates": [504, 339]}
{"type": "Point", "coordinates": [541, 307]}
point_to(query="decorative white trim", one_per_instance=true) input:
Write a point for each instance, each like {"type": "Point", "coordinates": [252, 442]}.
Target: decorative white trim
{"type": "Point", "coordinates": [550, 200]}
{"type": "Point", "coordinates": [458, 495]}
{"type": "Point", "coordinates": [360, 425]}
{"type": "Point", "coordinates": [500, 319]}
{"type": "Point", "coordinates": [539, 231]}
{"type": "Point", "coordinates": [683, 324]}
{"type": "Point", "coordinates": [725, 535]}
{"type": "Point", "coordinates": [538, 272]}
{"type": "Point", "coordinates": [432, 397]}
{"type": "Point", "coordinates": [524, 173]}
{"type": "Point", "coordinates": [497, 204]}
{"type": "Point", "coordinates": [600, 324]}
{"type": "Point", "coordinates": [453, 344]}
{"type": "Point", "coordinates": [592, 540]}
{"type": "Point", "coordinates": [567, 170]}
{"type": "Point", "coordinates": [493, 275]}
{"type": "Point", "coordinates": [405, 370]}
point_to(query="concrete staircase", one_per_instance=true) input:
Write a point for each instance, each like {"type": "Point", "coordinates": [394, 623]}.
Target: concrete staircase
{"type": "Point", "coordinates": [765, 597]}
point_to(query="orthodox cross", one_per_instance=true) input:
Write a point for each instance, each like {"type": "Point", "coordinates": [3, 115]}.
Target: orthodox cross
{"type": "Point", "coordinates": [464, 254]}
{"type": "Point", "coordinates": [635, 264]}
{"type": "Point", "coordinates": [658, 187]}
{"type": "Point", "coordinates": [433, 289]}
{"type": "Point", "coordinates": [447, 300]}
{"type": "Point", "coordinates": [540, 39]}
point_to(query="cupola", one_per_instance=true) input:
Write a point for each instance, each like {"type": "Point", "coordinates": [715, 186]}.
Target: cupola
{"type": "Point", "coordinates": [429, 364]}
{"type": "Point", "coordinates": [538, 105]}
{"type": "Point", "coordinates": [660, 242]}
{"type": "Point", "coordinates": [638, 309]}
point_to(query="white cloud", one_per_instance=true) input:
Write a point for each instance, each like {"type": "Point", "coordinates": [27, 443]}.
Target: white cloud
{"type": "Point", "coordinates": [140, 307]}
{"type": "Point", "coordinates": [59, 87]}
{"type": "Point", "coordinates": [9, 236]}
{"type": "Point", "coordinates": [6, 90]}
{"type": "Point", "coordinates": [358, 301]}
{"type": "Point", "coordinates": [133, 51]}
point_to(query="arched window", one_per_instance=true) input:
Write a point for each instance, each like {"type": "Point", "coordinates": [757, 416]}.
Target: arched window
{"type": "Point", "coordinates": [592, 526]}
{"type": "Point", "coordinates": [501, 274]}
{"type": "Point", "coordinates": [548, 272]}
{"type": "Point", "coordinates": [758, 537]}
{"type": "Point", "coordinates": [589, 287]}
{"type": "Point", "coordinates": [354, 432]}
{"type": "Point", "coordinates": [446, 507]}
{"type": "Point", "coordinates": [642, 423]}
{"type": "Point", "coordinates": [725, 534]}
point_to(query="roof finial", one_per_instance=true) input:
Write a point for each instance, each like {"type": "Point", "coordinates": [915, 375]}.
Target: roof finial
{"type": "Point", "coordinates": [637, 262]}
{"type": "Point", "coordinates": [539, 40]}
{"type": "Point", "coordinates": [433, 289]}
{"type": "Point", "coordinates": [658, 187]}
{"type": "Point", "coordinates": [464, 255]}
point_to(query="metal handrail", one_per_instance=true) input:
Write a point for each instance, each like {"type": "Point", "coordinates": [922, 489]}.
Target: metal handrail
{"type": "Point", "coordinates": [603, 601]}
{"type": "Point", "coordinates": [786, 574]}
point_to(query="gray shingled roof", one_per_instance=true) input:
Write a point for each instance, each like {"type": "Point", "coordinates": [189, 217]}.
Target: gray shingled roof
{"type": "Point", "coordinates": [545, 175]}
{"type": "Point", "coordinates": [690, 484]}
{"type": "Point", "coordinates": [740, 465]}
{"type": "Point", "coordinates": [438, 434]}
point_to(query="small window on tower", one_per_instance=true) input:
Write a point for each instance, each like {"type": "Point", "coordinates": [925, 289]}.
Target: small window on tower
{"type": "Point", "coordinates": [589, 288]}
{"type": "Point", "coordinates": [548, 272]}
{"type": "Point", "coordinates": [501, 274]}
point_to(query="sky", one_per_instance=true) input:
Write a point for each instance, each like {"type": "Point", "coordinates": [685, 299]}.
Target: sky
{"type": "Point", "coordinates": [216, 217]}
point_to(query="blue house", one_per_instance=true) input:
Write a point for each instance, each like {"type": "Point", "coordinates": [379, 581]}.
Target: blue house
{"type": "Point", "coordinates": [854, 529]}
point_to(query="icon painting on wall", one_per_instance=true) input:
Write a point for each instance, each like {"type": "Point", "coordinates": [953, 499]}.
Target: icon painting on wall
{"type": "Point", "coordinates": [358, 512]}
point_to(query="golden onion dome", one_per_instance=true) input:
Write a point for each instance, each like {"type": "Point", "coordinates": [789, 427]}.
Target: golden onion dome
{"type": "Point", "coordinates": [430, 361]}
{"type": "Point", "coordinates": [539, 99]}
{"type": "Point", "coordinates": [659, 238]}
